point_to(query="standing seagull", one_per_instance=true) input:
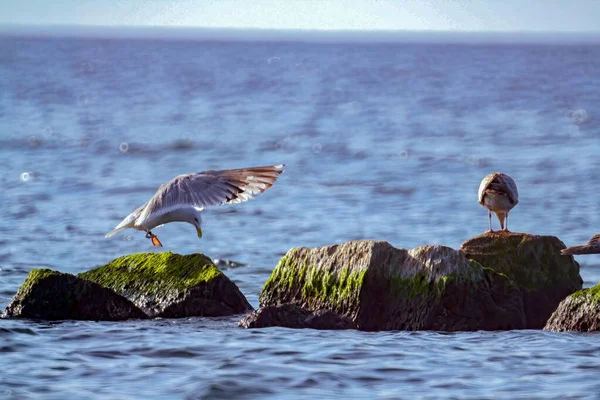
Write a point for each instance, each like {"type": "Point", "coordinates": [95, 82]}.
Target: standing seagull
{"type": "Point", "coordinates": [185, 196]}
{"type": "Point", "coordinates": [592, 247]}
{"type": "Point", "coordinates": [498, 193]}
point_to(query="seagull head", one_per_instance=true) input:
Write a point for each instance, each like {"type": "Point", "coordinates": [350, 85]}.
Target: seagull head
{"type": "Point", "coordinates": [197, 222]}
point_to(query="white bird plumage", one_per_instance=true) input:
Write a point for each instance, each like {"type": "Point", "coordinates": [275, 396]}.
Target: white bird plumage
{"type": "Point", "coordinates": [185, 196]}
{"type": "Point", "coordinates": [498, 194]}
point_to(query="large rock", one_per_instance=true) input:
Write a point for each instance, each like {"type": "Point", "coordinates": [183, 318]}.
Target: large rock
{"type": "Point", "coordinates": [293, 316]}
{"type": "Point", "coordinates": [534, 263]}
{"type": "Point", "coordinates": [53, 295]}
{"type": "Point", "coordinates": [380, 287]}
{"type": "Point", "coordinates": [578, 312]}
{"type": "Point", "coordinates": [171, 285]}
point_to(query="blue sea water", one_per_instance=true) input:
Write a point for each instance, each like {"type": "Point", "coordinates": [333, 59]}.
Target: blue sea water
{"type": "Point", "coordinates": [382, 141]}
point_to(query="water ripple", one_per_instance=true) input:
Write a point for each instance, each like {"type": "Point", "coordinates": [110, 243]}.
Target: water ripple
{"type": "Point", "coordinates": [381, 141]}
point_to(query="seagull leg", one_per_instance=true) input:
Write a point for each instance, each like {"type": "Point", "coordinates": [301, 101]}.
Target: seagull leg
{"type": "Point", "coordinates": [154, 238]}
{"type": "Point", "coordinates": [490, 217]}
{"type": "Point", "coordinates": [506, 224]}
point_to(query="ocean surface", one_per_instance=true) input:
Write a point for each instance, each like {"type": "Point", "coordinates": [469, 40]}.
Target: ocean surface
{"type": "Point", "coordinates": [383, 141]}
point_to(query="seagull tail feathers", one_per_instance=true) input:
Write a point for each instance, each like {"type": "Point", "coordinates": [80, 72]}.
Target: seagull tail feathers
{"type": "Point", "coordinates": [114, 232]}
{"type": "Point", "coordinates": [128, 222]}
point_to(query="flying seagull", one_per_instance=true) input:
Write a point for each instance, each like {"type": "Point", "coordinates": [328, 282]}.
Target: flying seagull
{"type": "Point", "coordinates": [592, 247]}
{"type": "Point", "coordinates": [185, 196]}
{"type": "Point", "coordinates": [498, 193]}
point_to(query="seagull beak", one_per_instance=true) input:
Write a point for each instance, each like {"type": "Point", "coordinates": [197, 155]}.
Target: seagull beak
{"type": "Point", "coordinates": [199, 232]}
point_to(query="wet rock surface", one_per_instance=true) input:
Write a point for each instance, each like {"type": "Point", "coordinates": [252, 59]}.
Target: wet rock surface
{"type": "Point", "coordinates": [293, 316]}
{"type": "Point", "coordinates": [534, 263]}
{"type": "Point", "coordinates": [170, 285]}
{"type": "Point", "coordinates": [52, 295]}
{"type": "Point", "coordinates": [380, 287]}
{"type": "Point", "coordinates": [578, 312]}
{"type": "Point", "coordinates": [134, 286]}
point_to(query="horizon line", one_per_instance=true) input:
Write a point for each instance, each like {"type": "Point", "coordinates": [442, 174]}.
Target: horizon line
{"type": "Point", "coordinates": [296, 34]}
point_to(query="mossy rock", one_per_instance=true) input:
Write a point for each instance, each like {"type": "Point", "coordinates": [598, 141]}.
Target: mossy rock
{"type": "Point", "coordinates": [380, 287]}
{"type": "Point", "coordinates": [171, 285]}
{"type": "Point", "coordinates": [52, 295]}
{"type": "Point", "coordinates": [578, 312]}
{"type": "Point", "coordinates": [536, 266]}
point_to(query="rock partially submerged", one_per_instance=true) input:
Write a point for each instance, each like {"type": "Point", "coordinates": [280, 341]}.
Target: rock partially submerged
{"type": "Point", "coordinates": [499, 280]}
{"type": "Point", "coordinates": [53, 295]}
{"type": "Point", "coordinates": [536, 266]}
{"type": "Point", "coordinates": [293, 316]}
{"type": "Point", "coordinates": [380, 287]}
{"type": "Point", "coordinates": [578, 312]}
{"type": "Point", "coordinates": [134, 286]}
{"type": "Point", "coordinates": [171, 285]}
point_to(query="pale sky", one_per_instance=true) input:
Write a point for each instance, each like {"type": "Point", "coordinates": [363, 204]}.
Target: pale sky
{"type": "Point", "coordinates": [467, 15]}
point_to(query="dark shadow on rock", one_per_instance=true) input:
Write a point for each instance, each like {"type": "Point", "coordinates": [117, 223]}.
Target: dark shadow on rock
{"type": "Point", "coordinates": [170, 285]}
{"type": "Point", "coordinates": [53, 295]}
{"type": "Point", "coordinates": [293, 316]}
{"type": "Point", "coordinates": [534, 263]}
{"type": "Point", "coordinates": [380, 287]}
{"type": "Point", "coordinates": [135, 286]}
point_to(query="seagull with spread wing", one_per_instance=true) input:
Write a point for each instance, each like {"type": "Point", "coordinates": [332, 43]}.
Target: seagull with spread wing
{"type": "Point", "coordinates": [592, 247]}
{"type": "Point", "coordinates": [498, 194]}
{"type": "Point", "coordinates": [185, 196]}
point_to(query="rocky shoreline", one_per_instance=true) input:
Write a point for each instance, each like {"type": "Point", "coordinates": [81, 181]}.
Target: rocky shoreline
{"type": "Point", "coordinates": [495, 281]}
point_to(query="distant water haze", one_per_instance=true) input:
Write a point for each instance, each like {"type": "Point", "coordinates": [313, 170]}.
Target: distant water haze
{"type": "Point", "coordinates": [311, 36]}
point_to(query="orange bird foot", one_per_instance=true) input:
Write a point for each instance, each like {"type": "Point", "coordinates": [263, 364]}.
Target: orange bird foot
{"type": "Point", "coordinates": [156, 242]}
{"type": "Point", "coordinates": [154, 238]}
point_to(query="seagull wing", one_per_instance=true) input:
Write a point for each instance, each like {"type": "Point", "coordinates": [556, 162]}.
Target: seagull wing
{"type": "Point", "coordinates": [210, 188]}
{"type": "Point", "coordinates": [595, 240]}
{"type": "Point", "coordinates": [510, 187]}
{"type": "Point", "coordinates": [484, 185]}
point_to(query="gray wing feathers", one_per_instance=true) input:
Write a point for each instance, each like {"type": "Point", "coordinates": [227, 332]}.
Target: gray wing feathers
{"type": "Point", "coordinates": [483, 186]}
{"type": "Point", "coordinates": [211, 188]}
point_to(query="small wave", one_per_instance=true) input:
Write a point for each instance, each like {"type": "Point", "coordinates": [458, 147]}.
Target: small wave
{"type": "Point", "coordinates": [5, 332]}
{"type": "Point", "coordinates": [403, 191]}
{"type": "Point", "coordinates": [228, 264]}
{"type": "Point", "coordinates": [229, 388]}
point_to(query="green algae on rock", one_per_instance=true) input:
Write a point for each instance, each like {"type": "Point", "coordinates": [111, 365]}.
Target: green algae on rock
{"type": "Point", "coordinates": [380, 287]}
{"type": "Point", "coordinates": [534, 263]}
{"type": "Point", "coordinates": [171, 285]}
{"type": "Point", "coordinates": [578, 312]}
{"type": "Point", "coordinates": [52, 295]}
